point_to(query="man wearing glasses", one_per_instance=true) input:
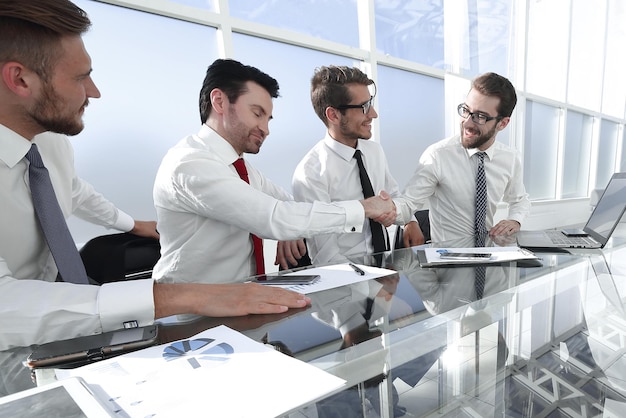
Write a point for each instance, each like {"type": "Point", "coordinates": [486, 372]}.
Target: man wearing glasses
{"type": "Point", "coordinates": [447, 171]}
{"type": "Point", "coordinates": [330, 171]}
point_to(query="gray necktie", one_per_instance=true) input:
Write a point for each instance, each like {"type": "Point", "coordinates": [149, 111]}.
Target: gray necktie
{"type": "Point", "coordinates": [379, 240]}
{"type": "Point", "coordinates": [52, 221]}
{"type": "Point", "coordinates": [480, 230]}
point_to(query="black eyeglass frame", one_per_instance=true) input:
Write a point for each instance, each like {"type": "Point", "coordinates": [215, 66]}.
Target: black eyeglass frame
{"type": "Point", "coordinates": [364, 106]}
{"type": "Point", "coordinates": [475, 116]}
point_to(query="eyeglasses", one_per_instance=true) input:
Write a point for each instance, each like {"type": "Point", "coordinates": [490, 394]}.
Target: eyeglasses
{"type": "Point", "coordinates": [478, 118]}
{"type": "Point", "coordinates": [365, 106]}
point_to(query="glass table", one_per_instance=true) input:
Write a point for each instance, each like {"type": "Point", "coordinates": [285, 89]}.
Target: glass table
{"type": "Point", "coordinates": [542, 341]}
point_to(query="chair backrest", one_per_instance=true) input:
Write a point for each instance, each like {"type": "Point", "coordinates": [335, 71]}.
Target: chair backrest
{"type": "Point", "coordinates": [119, 257]}
{"type": "Point", "coordinates": [423, 220]}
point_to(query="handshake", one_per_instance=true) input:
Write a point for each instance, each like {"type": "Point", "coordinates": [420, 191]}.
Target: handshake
{"type": "Point", "coordinates": [380, 208]}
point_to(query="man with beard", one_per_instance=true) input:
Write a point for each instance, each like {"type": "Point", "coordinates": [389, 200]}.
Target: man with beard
{"type": "Point", "coordinates": [45, 85]}
{"type": "Point", "coordinates": [447, 170]}
{"type": "Point", "coordinates": [213, 207]}
{"type": "Point", "coordinates": [329, 172]}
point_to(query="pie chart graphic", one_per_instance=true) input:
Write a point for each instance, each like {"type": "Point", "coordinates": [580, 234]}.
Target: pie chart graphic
{"type": "Point", "coordinates": [199, 352]}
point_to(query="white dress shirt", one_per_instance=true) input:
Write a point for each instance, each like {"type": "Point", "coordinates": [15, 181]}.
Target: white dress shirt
{"type": "Point", "coordinates": [205, 213]}
{"type": "Point", "coordinates": [446, 178]}
{"type": "Point", "coordinates": [329, 173]}
{"type": "Point", "coordinates": [34, 309]}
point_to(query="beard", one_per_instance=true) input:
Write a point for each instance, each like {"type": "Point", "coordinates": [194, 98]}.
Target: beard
{"type": "Point", "coordinates": [478, 141]}
{"type": "Point", "coordinates": [47, 113]}
{"type": "Point", "coordinates": [349, 133]}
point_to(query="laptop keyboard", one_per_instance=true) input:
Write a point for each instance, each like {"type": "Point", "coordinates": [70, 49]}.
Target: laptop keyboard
{"type": "Point", "coordinates": [558, 238]}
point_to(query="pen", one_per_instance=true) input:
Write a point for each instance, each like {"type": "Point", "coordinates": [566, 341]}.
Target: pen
{"type": "Point", "coordinates": [358, 270]}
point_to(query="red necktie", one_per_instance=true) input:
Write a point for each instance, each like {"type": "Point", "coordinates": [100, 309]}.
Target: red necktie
{"type": "Point", "coordinates": [257, 242]}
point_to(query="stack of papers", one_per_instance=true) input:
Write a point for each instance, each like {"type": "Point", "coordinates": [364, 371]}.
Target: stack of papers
{"type": "Point", "coordinates": [217, 373]}
{"type": "Point", "coordinates": [433, 257]}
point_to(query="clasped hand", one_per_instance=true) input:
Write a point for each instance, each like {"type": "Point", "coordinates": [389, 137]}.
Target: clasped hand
{"type": "Point", "coordinates": [380, 208]}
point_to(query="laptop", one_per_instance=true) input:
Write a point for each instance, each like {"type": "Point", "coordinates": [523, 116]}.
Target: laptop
{"type": "Point", "coordinates": [601, 224]}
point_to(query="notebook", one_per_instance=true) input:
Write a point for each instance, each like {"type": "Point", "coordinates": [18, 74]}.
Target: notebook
{"type": "Point", "coordinates": [601, 224]}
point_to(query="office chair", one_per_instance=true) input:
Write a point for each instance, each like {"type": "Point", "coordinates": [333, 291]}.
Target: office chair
{"type": "Point", "coordinates": [423, 220]}
{"type": "Point", "coordinates": [119, 257]}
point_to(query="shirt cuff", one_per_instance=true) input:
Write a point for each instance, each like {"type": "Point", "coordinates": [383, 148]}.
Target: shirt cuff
{"type": "Point", "coordinates": [130, 302]}
{"type": "Point", "coordinates": [124, 222]}
{"type": "Point", "coordinates": [355, 215]}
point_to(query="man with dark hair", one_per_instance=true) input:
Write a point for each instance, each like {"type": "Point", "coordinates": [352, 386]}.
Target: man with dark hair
{"type": "Point", "coordinates": [447, 173]}
{"type": "Point", "coordinates": [330, 171]}
{"type": "Point", "coordinates": [45, 85]}
{"type": "Point", "coordinates": [213, 207]}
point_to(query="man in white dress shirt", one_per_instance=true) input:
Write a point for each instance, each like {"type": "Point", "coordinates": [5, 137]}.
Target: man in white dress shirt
{"type": "Point", "coordinates": [446, 173]}
{"type": "Point", "coordinates": [206, 214]}
{"type": "Point", "coordinates": [329, 172]}
{"type": "Point", "coordinates": [45, 85]}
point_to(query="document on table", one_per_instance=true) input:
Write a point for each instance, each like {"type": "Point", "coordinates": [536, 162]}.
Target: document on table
{"type": "Point", "coordinates": [216, 373]}
{"type": "Point", "coordinates": [432, 257]}
{"type": "Point", "coordinates": [335, 276]}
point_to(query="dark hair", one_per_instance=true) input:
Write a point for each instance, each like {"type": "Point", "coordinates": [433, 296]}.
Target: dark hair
{"type": "Point", "coordinates": [492, 84]}
{"type": "Point", "coordinates": [328, 87]}
{"type": "Point", "coordinates": [31, 31]}
{"type": "Point", "coordinates": [231, 76]}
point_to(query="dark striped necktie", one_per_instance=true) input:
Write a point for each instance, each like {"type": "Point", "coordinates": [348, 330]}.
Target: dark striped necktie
{"type": "Point", "coordinates": [52, 221]}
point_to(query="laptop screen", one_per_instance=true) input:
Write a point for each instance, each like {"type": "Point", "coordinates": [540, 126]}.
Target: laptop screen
{"type": "Point", "coordinates": [609, 209]}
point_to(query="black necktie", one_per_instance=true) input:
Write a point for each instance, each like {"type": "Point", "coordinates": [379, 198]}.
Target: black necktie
{"type": "Point", "coordinates": [52, 221]}
{"type": "Point", "coordinates": [379, 240]}
{"type": "Point", "coordinates": [480, 230]}
{"type": "Point", "coordinates": [257, 242]}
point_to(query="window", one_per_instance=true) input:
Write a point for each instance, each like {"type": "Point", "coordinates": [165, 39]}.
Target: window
{"type": "Point", "coordinates": [548, 34]}
{"type": "Point", "coordinates": [332, 20]}
{"type": "Point", "coordinates": [149, 87]}
{"type": "Point", "coordinates": [411, 116]}
{"type": "Point", "coordinates": [411, 30]}
{"type": "Point", "coordinates": [607, 152]}
{"type": "Point", "coordinates": [540, 150]}
{"type": "Point", "coordinates": [613, 102]}
{"type": "Point", "coordinates": [586, 58]}
{"type": "Point", "coordinates": [576, 155]}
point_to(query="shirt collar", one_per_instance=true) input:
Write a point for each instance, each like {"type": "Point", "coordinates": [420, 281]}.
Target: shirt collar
{"type": "Point", "coordinates": [489, 151]}
{"type": "Point", "coordinates": [13, 147]}
{"type": "Point", "coordinates": [218, 144]}
{"type": "Point", "coordinates": [344, 151]}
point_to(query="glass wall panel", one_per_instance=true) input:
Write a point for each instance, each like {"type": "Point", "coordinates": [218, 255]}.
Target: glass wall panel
{"type": "Point", "coordinates": [295, 127]}
{"type": "Point", "coordinates": [411, 116]}
{"type": "Point", "coordinates": [411, 30]}
{"type": "Point", "coordinates": [623, 142]}
{"type": "Point", "coordinates": [200, 4]}
{"type": "Point", "coordinates": [488, 38]}
{"type": "Point", "coordinates": [333, 20]}
{"type": "Point", "coordinates": [577, 154]}
{"type": "Point", "coordinates": [548, 36]}
{"type": "Point", "coordinates": [614, 98]}
{"type": "Point", "coordinates": [586, 57]}
{"type": "Point", "coordinates": [540, 150]}
{"type": "Point", "coordinates": [149, 87]}
{"type": "Point", "coordinates": [607, 152]}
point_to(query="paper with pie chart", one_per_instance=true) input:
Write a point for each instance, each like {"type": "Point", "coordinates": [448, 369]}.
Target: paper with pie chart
{"type": "Point", "coordinates": [219, 372]}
